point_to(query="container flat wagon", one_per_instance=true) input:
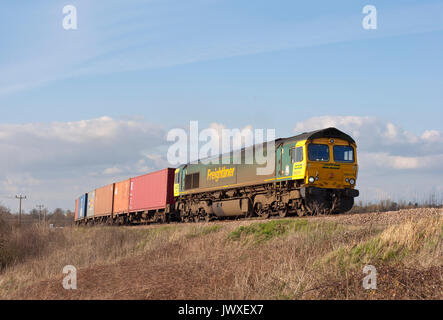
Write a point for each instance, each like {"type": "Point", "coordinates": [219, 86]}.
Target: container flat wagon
{"type": "Point", "coordinates": [151, 197]}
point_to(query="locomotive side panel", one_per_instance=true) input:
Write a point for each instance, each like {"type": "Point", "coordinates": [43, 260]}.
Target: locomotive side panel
{"type": "Point", "coordinates": [239, 169]}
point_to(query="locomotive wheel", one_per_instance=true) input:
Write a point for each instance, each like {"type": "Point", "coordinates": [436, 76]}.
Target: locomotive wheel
{"type": "Point", "coordinates": [265, 214]}
{"type": "Point", "coordinates": [300, 212]}
{"type": "Point", "coordinates": [283, 212]}
{"type": "Point", "coordinates": [344, 204]}
{"type": "Point", "coordinates": [186, 217]}
{"type": "Point", "coordinates": [260, 212]}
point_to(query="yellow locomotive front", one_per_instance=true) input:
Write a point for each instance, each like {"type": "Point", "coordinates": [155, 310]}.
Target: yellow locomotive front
{"type": "Point", "coordinates": [331, 163]}
{"type": "Point", "coordinates": [331, 174]}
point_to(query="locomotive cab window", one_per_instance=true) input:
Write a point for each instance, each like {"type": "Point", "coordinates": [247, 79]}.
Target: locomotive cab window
{"type": "Point", "coordinates": [297, 154]}
{"type": "Point", "coordinates": [192, 181]}
{"type": "Point", "coordinates": [343, 154]}
{"type": "Point", "coordinates": [318, 152]}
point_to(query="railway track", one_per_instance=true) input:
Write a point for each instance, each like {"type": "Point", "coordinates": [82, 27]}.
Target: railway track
{"type": "Point", "coordinates": [241, 219]}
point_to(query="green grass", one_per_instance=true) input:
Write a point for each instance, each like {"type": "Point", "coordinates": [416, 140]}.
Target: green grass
{"type": "Point", "coordinates": [202, 231]}
{"type": "Point", "coordinates": [264, 231]}
{"type": "Point", "coordinates": [372, 251]}
{"type": "Point", "coordinates": [407, 241]}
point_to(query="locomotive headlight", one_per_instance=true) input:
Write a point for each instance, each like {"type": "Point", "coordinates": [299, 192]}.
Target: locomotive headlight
{"type": "Point", "coordinates": [311, 179]}
{"type": "Point", "coordinates": [351, 181]}
{"type": "Point", "coordinates": [347, 179]}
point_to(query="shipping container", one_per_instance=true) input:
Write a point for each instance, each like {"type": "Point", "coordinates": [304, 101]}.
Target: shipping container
{"type": "Point", "coordinates": [76, 210]}
{"type": "Point", "coordinates": [82, 206]}
{"type": "Point", "coordinates": [104, 201]}
{"type": "Point", "coordinates": [121, 197]}
{"type": "Point", "coordinates": [90, 205]}
{"type": "Point", "coordinates": [152, 191]}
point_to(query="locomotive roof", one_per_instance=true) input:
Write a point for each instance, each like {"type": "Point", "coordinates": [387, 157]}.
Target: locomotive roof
{"type": "Point", "coordinates": [330, 132]}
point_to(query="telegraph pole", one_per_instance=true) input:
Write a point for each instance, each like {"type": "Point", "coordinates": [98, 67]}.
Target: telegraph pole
{"type": "Point", "coordinates": [20, 197]}
{"type": "Point", "coordinates": [40, 207]}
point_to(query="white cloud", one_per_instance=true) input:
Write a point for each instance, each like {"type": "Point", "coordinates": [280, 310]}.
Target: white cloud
{"type": "Point", "coordinates": [54, 162]}
{"type": "Point", "coordinates": [432, 135]}
{"type": "Point", "coordinates": [102, 141]}
{"type": "Point", "coordinates": [112, 171]}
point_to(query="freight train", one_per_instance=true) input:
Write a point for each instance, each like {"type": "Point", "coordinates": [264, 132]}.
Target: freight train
{"type": "Point", "coordinates": [314, 173]}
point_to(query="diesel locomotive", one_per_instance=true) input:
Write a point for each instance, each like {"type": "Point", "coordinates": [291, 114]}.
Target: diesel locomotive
{"type": "Point", "coordinates": [313, 173]}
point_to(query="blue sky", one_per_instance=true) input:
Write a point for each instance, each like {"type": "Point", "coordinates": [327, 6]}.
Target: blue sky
{"type": "Point", "coordinates": [266, 64]}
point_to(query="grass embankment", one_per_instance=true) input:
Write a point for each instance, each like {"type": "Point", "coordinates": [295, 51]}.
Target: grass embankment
{"type": "Point", "coordinates": [275, 259]}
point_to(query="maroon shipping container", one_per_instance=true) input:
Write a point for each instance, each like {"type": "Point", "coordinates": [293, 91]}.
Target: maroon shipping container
{"type": "Point", "coordinates": [152, 191]}
{"type": "Point", "coordinates": [104, 199]}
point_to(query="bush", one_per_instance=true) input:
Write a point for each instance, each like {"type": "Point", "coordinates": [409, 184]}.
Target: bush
{"type": "Point", "coordinates": [19, 244]}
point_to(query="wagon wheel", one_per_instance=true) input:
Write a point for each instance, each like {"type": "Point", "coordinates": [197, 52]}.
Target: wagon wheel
{"type": "Point", "coordinates": [265, 214]}
{"type": "Point", "coordinates": [185, 217]}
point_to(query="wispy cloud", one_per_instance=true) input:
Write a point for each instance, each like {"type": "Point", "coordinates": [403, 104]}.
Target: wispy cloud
{"type": "Point", "coordinates": [130, 37]}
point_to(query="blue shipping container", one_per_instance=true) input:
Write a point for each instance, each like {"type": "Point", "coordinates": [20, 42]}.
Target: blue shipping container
{"type": "Point", "coordinates": [82, 203]}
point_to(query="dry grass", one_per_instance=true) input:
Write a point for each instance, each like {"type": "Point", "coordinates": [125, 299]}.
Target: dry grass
{"type": "Point", "coordinates": [294, 258]}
